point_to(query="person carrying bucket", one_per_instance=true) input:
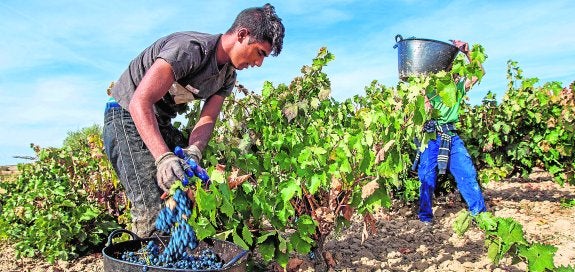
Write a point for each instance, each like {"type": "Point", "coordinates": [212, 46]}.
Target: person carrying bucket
{"type": "Point", "coordinates": [447, 151]}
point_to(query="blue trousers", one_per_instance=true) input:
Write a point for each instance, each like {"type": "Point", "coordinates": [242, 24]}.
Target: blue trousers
{"type": "Point", "coordinates": [462, 169]}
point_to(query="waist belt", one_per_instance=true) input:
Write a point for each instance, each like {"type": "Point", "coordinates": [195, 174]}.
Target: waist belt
{"type": "Point", "coordinates": [445, 132]}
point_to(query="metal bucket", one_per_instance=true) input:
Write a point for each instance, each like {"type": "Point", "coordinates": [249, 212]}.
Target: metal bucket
{"type": "Point", "coordinates": [233, 256]}
{"type": "Point", "coordinates": [423, 56]}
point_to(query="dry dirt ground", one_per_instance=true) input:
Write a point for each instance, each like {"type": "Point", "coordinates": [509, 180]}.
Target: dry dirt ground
{"type": "Point", "coordinates": [402, 243]}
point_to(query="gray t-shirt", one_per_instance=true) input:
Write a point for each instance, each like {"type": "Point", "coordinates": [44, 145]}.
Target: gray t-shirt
{"type": "Point", "coordinates": [192, 56]}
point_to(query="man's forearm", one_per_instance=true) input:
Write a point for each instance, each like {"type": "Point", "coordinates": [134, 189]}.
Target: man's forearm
{"type": "Point", "coordinates": [202, 132]}
{"type": "Point", "coordinates": [154, 85]}
{"type": "Point", "coordinates": [147, 126]}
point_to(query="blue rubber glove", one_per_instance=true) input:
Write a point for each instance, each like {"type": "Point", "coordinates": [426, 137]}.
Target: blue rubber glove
{"type": "Point", "coordinates": [191, 155]}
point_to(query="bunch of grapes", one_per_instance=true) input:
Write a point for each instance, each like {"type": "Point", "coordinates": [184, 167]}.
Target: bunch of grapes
{"type": "Point", "coordinates": [173, 220]}
{"type": "Point", "coordinates": [147, 255]}
{"type": "Point", "coordinates": [183, 235]}
{"type": "Point", "coordinates": [150, 256]}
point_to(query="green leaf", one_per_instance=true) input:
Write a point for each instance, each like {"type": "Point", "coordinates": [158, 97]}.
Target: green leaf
{"type": "Point", "coordinates": [282, 258]}
{"type": "Point", "coordinates": [486, 221]}
{"type": "Point", "coordinates": [203, 228]}
{"type": "Point", "coordinates": [247, 235]}
{"type": "Point", "coordinates": [462, 222]}
{"type": "Point", "coordinates": [289, 189]}
{"type": "Point", "coordinates": [267, 250]}
{"type": "Point", "coordinates": [68, 203]}
{"type": "Point", "coordinates": [267, 89]}
{"type": "Point", "coordinates": [511, 231]}
{"type": "Point", "coordinates": [539, 256]}
{"type": "Point", "coordinates": [299, 244]}
{"type": "Point", "coordinates": [305, 157]}
{"type": "Point", "coordinates": [239, 241]}
{"type": "Point", "coordinates": [567, 268]}
{"type": "Point", "coordinates": [419, 113]}
{"type": "Point", "coordinates": [285, 212]}
{"type": "Point", "coordinates": [306, 225]}
{"type": "Point", "coordinates": [283, 245]}
{"type": "Point", "coordinates": [494, 250]}
{"type": "Point", "coordinates": [206, 202]}
{"type": "Point", "coordinates": [217, 177]}
{"type": "Point", "coordinates": [447, 91]}
{"type": "Point", "coordinates": [344, 166]}
{"type": "Point", "coordinates": [89, 214]}
{"type": "Point", "coordinates": [315, 182]}
{"type": "Point", "coordinates": [226, 207]}
{"type": "Point", "coordinates": [265, 235]}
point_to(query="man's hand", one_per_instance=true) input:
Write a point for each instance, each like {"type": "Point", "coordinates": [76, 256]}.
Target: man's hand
{"type": "Point", "coordinates": [193, 152]}
{"type": "Point", "coordinates": [191, 156]}
{"type": "Point", "coordinates": [170, 169]}
{"type": "Point", "coordinates": [461, 45]}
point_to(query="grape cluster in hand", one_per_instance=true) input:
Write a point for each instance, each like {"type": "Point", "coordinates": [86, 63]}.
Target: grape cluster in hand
{"type": "Point", "coordinates": [192, 168]}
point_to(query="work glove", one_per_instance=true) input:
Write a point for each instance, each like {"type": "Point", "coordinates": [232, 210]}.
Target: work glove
{"type": "Point", "coordinates": [170, 168]}
{"type": "Point", "coordinates": [193, 152]}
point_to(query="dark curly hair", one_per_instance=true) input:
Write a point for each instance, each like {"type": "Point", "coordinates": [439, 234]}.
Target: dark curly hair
{"type": "Point", "coordinates": [263, 24]}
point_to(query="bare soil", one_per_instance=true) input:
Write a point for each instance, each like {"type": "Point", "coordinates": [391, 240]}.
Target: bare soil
{"type": "Point", "coordinates": [402, 243]}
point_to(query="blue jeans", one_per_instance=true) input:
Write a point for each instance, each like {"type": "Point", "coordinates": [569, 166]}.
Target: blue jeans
{"type": "Point", "coordinates": [462, 169]}
{"type": "Point", "coordinates": [134, 165]}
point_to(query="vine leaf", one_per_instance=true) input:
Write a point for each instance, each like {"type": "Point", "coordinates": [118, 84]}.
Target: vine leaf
{"type": "Point", "coordinates": [539, 256]}
{"type": "Point", "coordinates": [369, 189]}
{"type": "Point", "coordinates": [462, 222]}
{"type": "Point", "coordinates": [290, 111]}
{"type": "Point", "coordinates": [306, 225]}
{"type": "Point", "coordinates": [267, 250]}
{"type": "Point", "coordinates": [316, 181]}
{"type": "Point", "coordinates": [234, 180]}
{"type": "Point", "coordinates": [239, 241]}
{"type": "Point", "coordinates": [381, 153]}
{"type": "Point", "coordinates": [247, 235]}
{"type": "Point", "coordinates": [289, 190]}
{"type": "Point", "coordinates": [300, 244]}
{"type": "Point", "coordinates": [486, 221]}
{"type": "Point", "coordinates": [324, 93]}
{"type": "Point", "coordinates": [447, 91]}
{"type": "Point", "coordinates": [511, 231]}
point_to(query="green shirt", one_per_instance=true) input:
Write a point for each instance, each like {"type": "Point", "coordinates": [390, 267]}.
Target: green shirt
{"type": "Point", "coordinates": [449, 114]}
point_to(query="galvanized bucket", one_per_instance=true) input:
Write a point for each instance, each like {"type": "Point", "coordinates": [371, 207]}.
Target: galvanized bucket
{"type": "Point", "coordinates": [423, 56]}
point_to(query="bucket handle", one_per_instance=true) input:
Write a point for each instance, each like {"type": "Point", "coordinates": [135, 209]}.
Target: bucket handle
{"type": "Point", "coordinates": [398, 38]}
{"type": "Point", "coordinates": [235, 259]}
{"type": "Point", "coordinates": [116, 232]}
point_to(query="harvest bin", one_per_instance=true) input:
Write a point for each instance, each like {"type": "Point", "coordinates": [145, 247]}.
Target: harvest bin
{"type": "Point", "coordinates": [233, 256]}
{"type": "Point", "coordinates": [423, 56]}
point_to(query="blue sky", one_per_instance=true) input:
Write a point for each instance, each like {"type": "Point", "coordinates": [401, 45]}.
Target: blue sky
{"type": "Point", "coordinates": [58, 57]}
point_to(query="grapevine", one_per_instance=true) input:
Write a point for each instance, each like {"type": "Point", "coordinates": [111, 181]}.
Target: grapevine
{"type": "Point", "coordinates": [303, 163]}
